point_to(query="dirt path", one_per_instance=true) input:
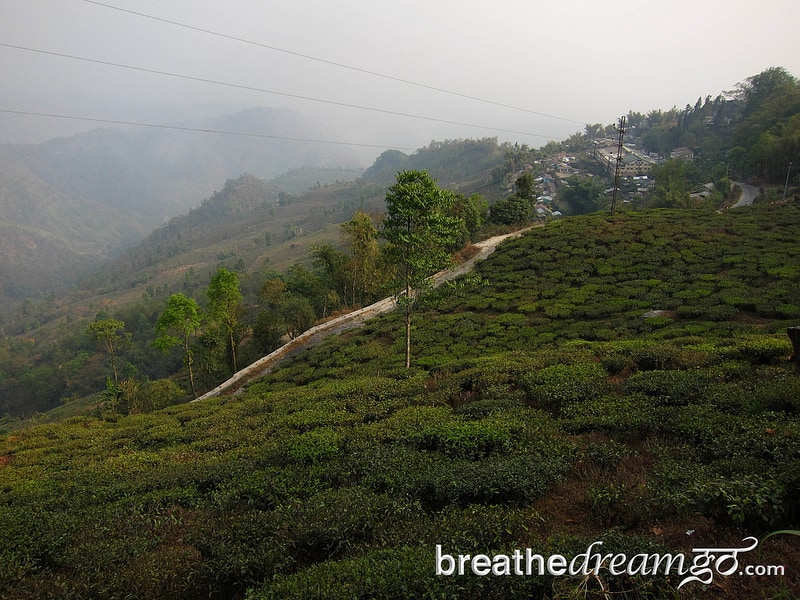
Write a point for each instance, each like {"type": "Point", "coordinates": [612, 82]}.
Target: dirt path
{"type": "Point", "coordinates": [351, 320]}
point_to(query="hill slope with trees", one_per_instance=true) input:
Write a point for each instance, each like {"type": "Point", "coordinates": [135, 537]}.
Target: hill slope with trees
{"type": "Point", "coordinates": [622, 380]}
{"type": "Point", "coordinates": [85, 197]}
{"type": "Point", "coordinates": [249, 227]}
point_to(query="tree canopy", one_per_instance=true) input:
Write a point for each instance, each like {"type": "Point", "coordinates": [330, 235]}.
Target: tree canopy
{"type": "Point", "coordinates": [106, 330]}
{"type": "Point", "coordinates": [225, 306]}
{"type": "Point", "coordinates": [176, 326]}
{"type": "Point", "coordinates": [421, 231]}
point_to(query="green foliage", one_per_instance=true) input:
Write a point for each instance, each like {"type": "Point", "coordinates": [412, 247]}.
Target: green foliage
{"type": "Point", "coordinates": [764, 350]}
{"type": "Point", "coordinates": [511, 211]}
{"type": "Point", "coordinates": [749, 501]}
{"type": "Point", "coordinates": [105, 330]}
{"type": "Point", "coordinates": [557, 386]}
{"type": "Point", "coordinates": [225, 307]}
{"type": "Point", "coordinates": [421, 231]}
{"type": "Point", "coordinates": [668, 387]}
{"type": "Point", "coordinates": [581, 195]}
{"type": "Point", "coordinates": [471, 440]}
{"type": "Point", "coordinates": [176, 326]}
{"type": "Point", "coordinates": [338, 473]}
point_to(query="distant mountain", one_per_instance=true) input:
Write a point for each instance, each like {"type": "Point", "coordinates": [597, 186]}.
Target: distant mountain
{"type": "Point", "coordinates": [70, 202]}
{"type": "Point", "coordinates": [257, 222]}
{"type": "Point", "coordinates": [47, 235]}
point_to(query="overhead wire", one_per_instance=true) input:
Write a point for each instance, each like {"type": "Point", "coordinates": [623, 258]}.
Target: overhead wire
{"type": "Point", "coordinates": [197, 129]}
{"type": "Point", "coordinates": [267, 91]}
{"type": "Point", "coordinates": [330, 62]}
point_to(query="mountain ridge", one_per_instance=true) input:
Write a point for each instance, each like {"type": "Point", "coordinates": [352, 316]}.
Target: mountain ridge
{"type": "Point", "coordinates": [111, 187]}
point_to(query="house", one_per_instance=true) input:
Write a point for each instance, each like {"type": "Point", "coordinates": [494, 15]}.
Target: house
{"type": "Point", "coordinates": [606, 156]}
{"type": "Point", "coordinates": [682, 153]}
{"type": "Point", "coordinates": [703, 192]}
{"type": "Point", "coordinates": [633, 161]}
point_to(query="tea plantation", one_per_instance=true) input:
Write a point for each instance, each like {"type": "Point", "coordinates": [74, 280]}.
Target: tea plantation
{"type": "Point", "coordinates": [624, 380]}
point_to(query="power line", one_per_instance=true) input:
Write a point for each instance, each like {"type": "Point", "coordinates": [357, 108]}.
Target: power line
{"type": "Point", "coordinates": [195, 129]}
{"type": "Point", "coordinates": [266, 91]}
{"type": "Point", "coordinates": [332, 63]}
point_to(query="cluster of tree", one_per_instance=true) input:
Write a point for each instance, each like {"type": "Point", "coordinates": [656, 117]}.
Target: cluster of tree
{"type": "Point", "coordinates": [178, 325]}
{"type": "Point", "coordinates": [423, 226]}
{"type": "Point", "coordinates": [753, 131]}
{"type": "Point", "coordinates": [452, 161]}
{"type": "Point", "coordinates": [517, 209]}
{"type": "Point", "coordinates": [206, 334]}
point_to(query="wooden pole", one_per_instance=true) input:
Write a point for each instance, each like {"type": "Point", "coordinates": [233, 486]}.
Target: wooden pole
{"type": "Point", "coordinates": [794, 336]}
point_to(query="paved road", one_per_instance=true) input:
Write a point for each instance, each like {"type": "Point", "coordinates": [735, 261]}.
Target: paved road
{"type": "Point", "coordinates": [749, 194]}
{"type": "Point", "coordinates": [342, 323]}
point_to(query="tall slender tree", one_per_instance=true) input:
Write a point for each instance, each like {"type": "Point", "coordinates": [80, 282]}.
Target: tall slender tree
{"type": "Point", "coordinates": [421, 231]}
{"type": "Point", "coordinates": [107, 331]}
{"type": "Point", "coordinates": [361, 237]}
{"type": "Point", "coordinates": [225, 306]}
{"type": "Point", "coordinates": [176, 326]}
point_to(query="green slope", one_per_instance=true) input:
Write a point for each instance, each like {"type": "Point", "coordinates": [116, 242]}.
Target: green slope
{"type": "Point", "coordinates": [544, 411]}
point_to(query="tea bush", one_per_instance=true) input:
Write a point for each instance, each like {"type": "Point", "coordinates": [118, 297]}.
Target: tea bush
{"type": "Point", "coordinates": [538, 405]}
{"type": "Point", "coordinates": [471, 439]}
{"type": "Point", "coordinates": [556, 386]}
{"type": "Point", "coordinates": [667, 387]}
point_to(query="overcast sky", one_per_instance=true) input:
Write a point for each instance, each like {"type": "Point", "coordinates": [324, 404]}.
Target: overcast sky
{"type": "Point", "coordinates": [575, 61]}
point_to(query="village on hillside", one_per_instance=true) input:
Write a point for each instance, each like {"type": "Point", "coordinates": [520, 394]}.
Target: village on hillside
{"type": "Point", "coordinates": [635, 166]}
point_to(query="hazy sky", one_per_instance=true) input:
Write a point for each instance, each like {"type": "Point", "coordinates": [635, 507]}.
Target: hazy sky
{"type": "Point", "coordinates": [580, 60]}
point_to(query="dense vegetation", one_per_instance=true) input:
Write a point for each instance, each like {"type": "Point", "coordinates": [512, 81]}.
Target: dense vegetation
{"type": "Point", "coordinates": [549, 406]}
{"type": "Point", "coordinates": [265, 235]}
{"type": "Point", "coordinates": [249, 227]}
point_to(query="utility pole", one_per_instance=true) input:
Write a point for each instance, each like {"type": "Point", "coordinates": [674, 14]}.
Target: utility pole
{"type": "Point", "coordinates": [621, 130]}
{"type": "Point", "coordinates": [786, 185]}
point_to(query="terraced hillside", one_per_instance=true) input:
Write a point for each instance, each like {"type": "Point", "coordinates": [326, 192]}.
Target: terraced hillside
{"type": "Point", "coordinates": [620, 380]}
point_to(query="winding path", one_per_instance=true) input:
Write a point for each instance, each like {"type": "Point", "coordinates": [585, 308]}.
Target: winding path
{"type": "Point", "coordinates": [749, 194]}
{"type": "Point", "coordinates": [345, 322]}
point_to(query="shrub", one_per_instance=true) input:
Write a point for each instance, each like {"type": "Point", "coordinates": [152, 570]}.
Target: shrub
{"type": "Point", "coordinates": [438, 481]}
{"type": "Point", "coordinates": [458, 439]}
{"type": "Point", "coordinates": [334, 522]}
{"type": "Point", "coordinates": [749, 501]}
{"type": "Point", "coordinates": [559, 385]}
{"type": "Point", "coordinates": [779, 394]}
{"type": "Point", "coordinates": [667, 387]}
{"type": "Point", "coordinates": [616, 362]}
{"type": "Point", "coordinates": [606, 455]}
{"type": "Point", "coordinates": [155, 395]}
{"type": "Point", "coordinates": [653, 358]}
{"type": "Point", "coordinates": [605, 502]}
{"type": "Point", "coordinates": [764, 350]}
{"type": "Point", "coordinates": [720, 312]}
{"type": "Point", "coordinates": [313, 446]}
{"type": "Point", "coordinates": [395, 574]}
{"type": "Point", "coordinates": [628, 414]}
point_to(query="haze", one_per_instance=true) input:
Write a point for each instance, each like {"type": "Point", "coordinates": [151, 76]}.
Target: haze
{"type": "Point", "coordinates": [567, 63]}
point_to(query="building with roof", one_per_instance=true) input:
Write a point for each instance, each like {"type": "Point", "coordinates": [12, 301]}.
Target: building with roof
{"type": "Point", "coordinates": [633, 162]}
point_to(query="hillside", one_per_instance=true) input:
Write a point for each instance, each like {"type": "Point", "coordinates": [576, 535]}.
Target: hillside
{"type": "Point", "coordinates": [247, 219]}
{"type": "Point", "coordinates": [41, 240]}
{"type": "Point", "coordinates": [249, 226]}
{"type": "Point", "coordinates": [90, 195]}
{"type": "Point", "coordinates": [549, 407]}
